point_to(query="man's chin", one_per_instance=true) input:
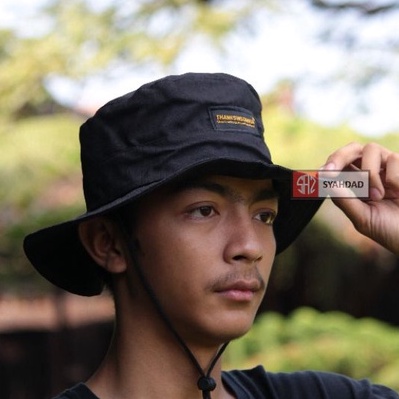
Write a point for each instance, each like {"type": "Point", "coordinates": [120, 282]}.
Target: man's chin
{"type": "Point", "coordinates": [234, 332]}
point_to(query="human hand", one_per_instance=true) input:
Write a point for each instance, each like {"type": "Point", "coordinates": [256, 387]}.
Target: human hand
{"type": "Point", "coordinates": [378, 217]}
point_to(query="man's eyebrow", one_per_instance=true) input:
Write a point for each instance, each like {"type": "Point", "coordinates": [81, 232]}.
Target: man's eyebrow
{"type": "Point", "coordinates": [265, 194]}
{"type": "Point", "coordinates": [201, 184]}
{"type": "Point", "coordinates": [225, 191]}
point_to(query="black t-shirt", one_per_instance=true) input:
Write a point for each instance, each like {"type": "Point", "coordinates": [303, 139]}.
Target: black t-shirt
{"type": "Point", "coordinates": [259, 384]}
{"type": "Point", "coordinates": [80, 391]}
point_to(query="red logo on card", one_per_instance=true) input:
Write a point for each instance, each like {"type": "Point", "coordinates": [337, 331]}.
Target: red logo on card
{"type": "Point", "coordinates": [305, 184]}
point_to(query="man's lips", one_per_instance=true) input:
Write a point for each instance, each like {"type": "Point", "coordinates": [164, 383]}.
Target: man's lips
{"type": "Point", "coordinates": [241, 290]}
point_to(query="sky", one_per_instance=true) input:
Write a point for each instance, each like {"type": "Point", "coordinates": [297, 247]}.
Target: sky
{"type": "Point", "coordinates": [284, 47]}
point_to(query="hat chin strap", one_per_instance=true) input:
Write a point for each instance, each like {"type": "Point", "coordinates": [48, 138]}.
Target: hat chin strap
{"type": "Point", "coordinates": [205, 382]}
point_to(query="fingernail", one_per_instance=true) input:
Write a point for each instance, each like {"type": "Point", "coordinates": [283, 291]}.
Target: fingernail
{"type": "Point", "coordinates": [328, 166]}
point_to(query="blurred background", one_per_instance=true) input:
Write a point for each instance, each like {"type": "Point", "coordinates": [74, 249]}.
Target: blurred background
{"type": "Point", "coordinates": [328, 74]}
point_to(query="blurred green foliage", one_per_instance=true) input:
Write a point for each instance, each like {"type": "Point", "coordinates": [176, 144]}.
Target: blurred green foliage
{"type": "Point", "coordinates": [40, 185]}
{"type": "Point", "coordinates": [77, 40]}
{"type": "Point", "coordinates": [333, 341]}
{"type": "Point", "coordinates": [35, 152]}
{"type": "Point", "coordinates": [302, 144]}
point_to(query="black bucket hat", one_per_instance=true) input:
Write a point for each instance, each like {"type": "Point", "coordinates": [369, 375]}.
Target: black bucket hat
{"type": "Point", "coordinates": [178, 125]}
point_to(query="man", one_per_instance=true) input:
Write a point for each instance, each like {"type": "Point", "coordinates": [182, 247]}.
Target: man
{"type": "Point", "coordinates": [185, 213]}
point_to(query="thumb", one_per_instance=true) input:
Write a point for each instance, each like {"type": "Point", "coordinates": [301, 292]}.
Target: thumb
{"type": "Point", "coordinates": [356, 210]}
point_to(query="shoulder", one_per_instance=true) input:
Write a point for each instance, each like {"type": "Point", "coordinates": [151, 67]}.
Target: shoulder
{"type": "Point", "coordinates": [79, 391]}
{"type": "Point", "coordinates": [302, 385]}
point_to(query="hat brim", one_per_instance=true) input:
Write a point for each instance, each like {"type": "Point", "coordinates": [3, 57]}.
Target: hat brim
{"type": "Point", "coordinates": [58, 255]}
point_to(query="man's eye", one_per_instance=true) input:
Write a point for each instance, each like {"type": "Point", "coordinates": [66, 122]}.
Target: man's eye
{"type": "Point", "coordinates": [202, 211]}
{"type": "Point", "coordinates": [266, 217]}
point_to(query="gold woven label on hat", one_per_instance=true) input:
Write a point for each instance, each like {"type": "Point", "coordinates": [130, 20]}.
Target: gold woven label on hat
{"type": "Point", "coordinates": [233, 118]}
{"type": "Point", "coordinates": [236, 119]}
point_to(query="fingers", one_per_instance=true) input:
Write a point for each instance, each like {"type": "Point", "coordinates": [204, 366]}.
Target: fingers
{"type": "Point", "coordinates": [356, 210]}
{"type": "Point", "coordinates": [378, 218]}
{"type": "Point", "coordinates": [374, 159]}
{"type": "Point", "coordinates": [344, 156]}
{"type": "Point", "coordinates": [382, 164]}
{"type": "Point", "coordinates": [392, 175]}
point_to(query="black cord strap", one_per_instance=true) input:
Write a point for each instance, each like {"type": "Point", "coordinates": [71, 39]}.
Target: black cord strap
{"type": "Point", "coordinates": [205, 382]}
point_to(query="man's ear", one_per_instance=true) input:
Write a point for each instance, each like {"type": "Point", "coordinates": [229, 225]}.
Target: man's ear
{"type": "Point", "coordinates": [101, 239]}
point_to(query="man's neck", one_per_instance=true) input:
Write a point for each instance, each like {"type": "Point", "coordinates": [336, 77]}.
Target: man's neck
{"type": "Point", "coordinates": [147, 362]}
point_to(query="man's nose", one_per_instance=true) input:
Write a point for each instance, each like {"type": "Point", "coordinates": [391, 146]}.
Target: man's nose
{"type": "Point", "coordinates": [244, 242]}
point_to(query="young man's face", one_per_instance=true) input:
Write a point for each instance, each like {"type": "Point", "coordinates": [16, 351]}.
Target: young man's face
{"type": "Point", "coordinates": [207, 248]}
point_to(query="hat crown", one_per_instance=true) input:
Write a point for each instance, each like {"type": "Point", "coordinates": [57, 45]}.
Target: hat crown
{"type": "Point", "coordinates": [149, 134]}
